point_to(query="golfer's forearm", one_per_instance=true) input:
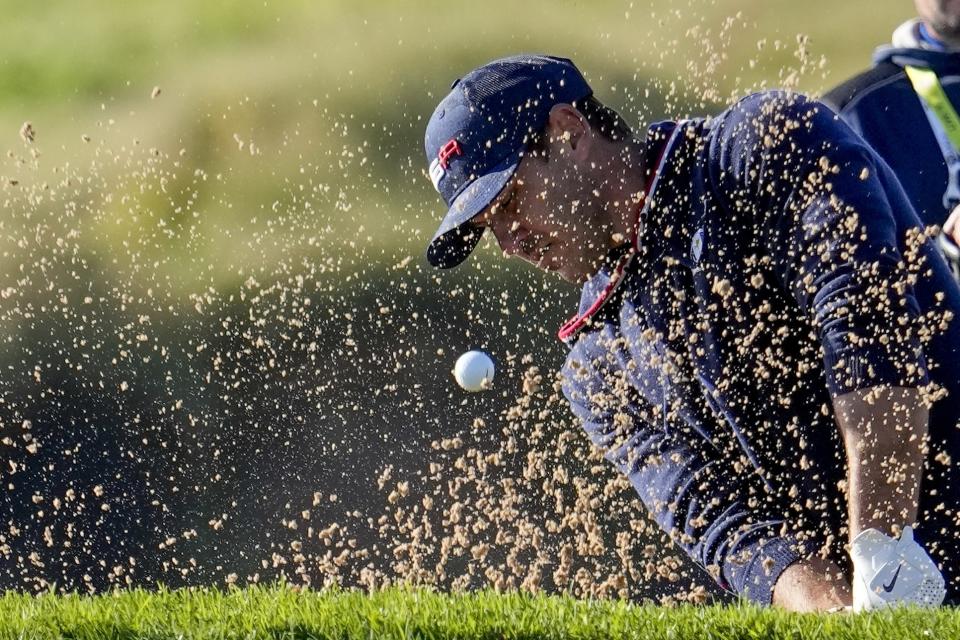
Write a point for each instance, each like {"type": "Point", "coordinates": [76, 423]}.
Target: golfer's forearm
{"type": "Point", "coordinates": [884, 434]}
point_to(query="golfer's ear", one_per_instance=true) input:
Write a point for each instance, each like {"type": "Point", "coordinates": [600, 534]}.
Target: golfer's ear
{"type": "Point", "coordinates": [569, 132]}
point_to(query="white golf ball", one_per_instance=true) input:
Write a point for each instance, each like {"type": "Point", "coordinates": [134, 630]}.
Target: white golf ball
{"type": "Point", "coordinates": [474, 371]}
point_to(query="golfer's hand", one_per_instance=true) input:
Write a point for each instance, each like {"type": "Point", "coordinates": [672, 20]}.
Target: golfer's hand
{"type": "Point", "coordinates": [889, 572]}
{"type": "Point", "coordinates": [812, 585]}
{"type": "Point", "coordinates": [952, 226]}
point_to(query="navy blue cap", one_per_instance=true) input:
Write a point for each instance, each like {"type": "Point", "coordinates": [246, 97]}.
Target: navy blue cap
{"type": "Point", "coordinates": [478, 133]}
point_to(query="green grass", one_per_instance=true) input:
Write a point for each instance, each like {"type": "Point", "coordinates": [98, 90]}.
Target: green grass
{"type": "Point", "coordinates": [278, 612]}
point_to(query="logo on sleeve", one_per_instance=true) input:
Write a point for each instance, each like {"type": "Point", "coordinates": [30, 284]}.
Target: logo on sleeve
{"type": "Point", "coordinates": [696, 246]}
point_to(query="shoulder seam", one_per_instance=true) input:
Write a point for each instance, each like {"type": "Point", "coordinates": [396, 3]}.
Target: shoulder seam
{"type": "Point", "coordinates": [843, 94]}
{"type": "Point", "coordinates": [855, 99]}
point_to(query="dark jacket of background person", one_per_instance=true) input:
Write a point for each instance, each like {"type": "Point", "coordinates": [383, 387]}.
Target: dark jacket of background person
{"type": "Point", "coordinates": [881, 105]}
{"type": "Point", "coordinates": [758, 292]}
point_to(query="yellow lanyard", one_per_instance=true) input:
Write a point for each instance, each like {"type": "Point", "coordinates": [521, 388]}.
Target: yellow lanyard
{"type": "Point", "coordinates": [927, 85]}
{"type": "Point", "coordinates": [945, 124]}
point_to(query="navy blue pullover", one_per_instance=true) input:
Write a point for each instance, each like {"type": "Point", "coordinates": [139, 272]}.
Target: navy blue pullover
{"type": "Point", "coordinates": [779, 265]}
{"type": "Point", "coordinates": [881, 105]}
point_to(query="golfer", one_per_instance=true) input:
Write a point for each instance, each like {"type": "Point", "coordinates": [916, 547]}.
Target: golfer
{"type": "Point", "coordinates": [766, 343]}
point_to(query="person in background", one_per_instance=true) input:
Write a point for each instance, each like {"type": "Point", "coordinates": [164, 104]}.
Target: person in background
{"type": "Point", "coordinates": [905, 106]}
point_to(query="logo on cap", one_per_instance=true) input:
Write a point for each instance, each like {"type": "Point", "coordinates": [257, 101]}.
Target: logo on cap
{"type": "Point", "coordinates": [438, 168]}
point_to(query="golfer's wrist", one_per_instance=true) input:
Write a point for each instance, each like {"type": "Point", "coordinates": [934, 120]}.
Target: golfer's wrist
{"type": "Point", "coordinates": [811, 585]}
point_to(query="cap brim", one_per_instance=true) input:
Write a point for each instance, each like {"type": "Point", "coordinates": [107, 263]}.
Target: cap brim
{"type": "Point", "coordinates": [455, 239]}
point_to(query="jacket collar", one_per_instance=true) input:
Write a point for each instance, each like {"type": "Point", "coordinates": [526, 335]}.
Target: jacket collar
{"type": "Point", "coordinates": [909, 47]}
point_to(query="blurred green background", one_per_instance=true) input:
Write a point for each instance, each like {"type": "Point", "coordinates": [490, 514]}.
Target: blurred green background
{"type": "Point", "coordinates": [334, 97]}
{"type": "Point", "coordinates": [213, 300]}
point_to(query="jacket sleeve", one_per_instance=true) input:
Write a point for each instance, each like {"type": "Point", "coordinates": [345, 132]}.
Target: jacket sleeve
{"type": "Point", "coordinates": [827, 209]}
{"type": "Point", "coordinates": [721, 519]}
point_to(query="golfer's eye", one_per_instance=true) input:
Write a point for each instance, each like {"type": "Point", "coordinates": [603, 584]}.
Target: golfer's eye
{"type": "Point", "coordinates": [505, 205]}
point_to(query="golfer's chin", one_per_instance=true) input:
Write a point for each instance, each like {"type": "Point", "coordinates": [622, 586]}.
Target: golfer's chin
{"type": "Point", "coordinates": [572, 272]}
{"type": "Point", "coordinates": [575, 269]}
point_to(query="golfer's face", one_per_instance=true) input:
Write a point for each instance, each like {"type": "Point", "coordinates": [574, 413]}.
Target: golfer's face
{"type": "Point", "coordinates": [542, 217]}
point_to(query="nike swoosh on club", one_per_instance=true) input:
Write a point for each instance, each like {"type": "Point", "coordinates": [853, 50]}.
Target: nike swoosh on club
{"type": "Point", "coordinates": [889, 587]}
